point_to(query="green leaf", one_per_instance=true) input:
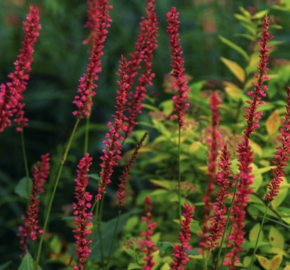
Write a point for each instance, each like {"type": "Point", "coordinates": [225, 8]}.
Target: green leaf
{"type": "Point", "coordinates": [165, 245]}
{"type": "Point", "coordinates": [27, 263]}
{"type": "Point", "coordinates": [132, 266]}
{"type": "Point", "coordinates": [165, 266]}
{"type": "Point", "coordinates": [192, 252]}
{"type": "Point", "coordinates": [276, 238]}
{"type": "Point", "coordinates": [21, 188]}
{"type": "Point", "coordinates": [235, 47]}
{"type": "Point", "coordinates": [94, 176]}
{"type": "Point", "coordinates": [163, 183]}
{"type": "Point", "coordinates": [247, 36]}
{"type": "Point", "coordinates": [261, 14]}
{"type": "Point", "coordinates": [195, 88]}
{"type": "Point", "coordinates": [139, 134]}
{"type": "Point", "coordinates": [254, 233]}
{"type": "Point", "coordinates": [4, 265]}
{"type": "Point", "coordinates": [263, 170]}
{"type": "Point", "coordinates": [55, 244]}
{"type": "Point", "coordinates": [235, 69]}
{"type": "Point", "coordinates": [282, 194]}
{"type": "Point", "coordinates": [150, 107]}
{"type": "Point", "coordinates": [107, 235]}
{"type": "Point", "coordinates": [167, 106]}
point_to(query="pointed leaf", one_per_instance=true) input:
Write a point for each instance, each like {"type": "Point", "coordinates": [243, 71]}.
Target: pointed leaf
{"type": "Point", "coordinates": [21, 188]}
{"type": "Point", "coordinates": [165, 266]}
{"type": "Point", "coordinates": [235, 47]}
{"type": "Point", "coordinates": [261, 14]}
{"type": "Point", "coordinates": [264, 262]}
{"type": "Point", "coordinates": [282, 194]}
{"type": "Point", "coordinates": [133, 266]}
{"type": "Point", "coordinates": [233, 91]}
{"type": "Point", "coordinates": [165, 245]}
{"type": "Point", "coordinates": [27, 263]}
{"type": "Point", "coordinates": [276, 238]}
{"type": "Point", "coordinates": [273, 122]}
{"type": "Point", "coordinates": [254, 233]}
{"type": "Point", "coordinates": [235, 69]}
{"type": "Point", "coordinates": [276, 261]}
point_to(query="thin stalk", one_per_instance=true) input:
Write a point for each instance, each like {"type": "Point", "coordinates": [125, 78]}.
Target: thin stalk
{"type": "Point", "coordinates": [72, 256]}
{"type": "Point", "coordinates": [223, 258]}
{"type": "Point", "coordinates": [226, 227]}
{"type": "Point", "coordinates": [100, 229]}
{"type": "Point", "coordinates": [87, 135]}
{"type": "Point", "coordinates": [256, 245]}
{"type": "Point", "coordinates": [179, 175]}
{"type": "Point", "coordinates": [114, 235]}
{"type": "Point", "coordinates": [53, 192]}
{"type": "Point", "coordinates": [94, 229]}
{"type": "Point", "coordinates": [204, 261]}
{"type": "Point", "coordinates": [26, 166]}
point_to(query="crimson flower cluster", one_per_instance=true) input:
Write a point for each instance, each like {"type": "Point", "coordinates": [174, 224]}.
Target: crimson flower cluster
{"type": "Point", "coordinates": [180, 256]}
{"type": "Point", "coordinates": [177, 64]}
{"type": "Point", "coordinates": [121, 190]}
{"type": "Point", "coordinates": [213, 146]}
{"type": "Point", "coordinates": [281, 154]}
{"type": "Point", "coordinates": [245, 155]}
{"type": "Point", "coordinates": [114, 140]}
{"type": "Point", "coordinates": [83, 100]}
{"type": "Point", "coordinates": [148, 30]}
{"type": "Point", "coordinates": [24, 232]}
{"type": "Point", "coordinates": [11, 92]}
{"type": "Point", "coordinates": [148, 246]}
{"type": "Point", "coordinates": [39, 176]}
{"type": "Point", "coordinates": [83, 204]}
{"type": "Point", "coordinates": [218, 219]}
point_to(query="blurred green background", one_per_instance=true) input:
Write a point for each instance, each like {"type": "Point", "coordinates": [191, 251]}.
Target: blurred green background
{"type": "Point", "coordinates": [60, 59]}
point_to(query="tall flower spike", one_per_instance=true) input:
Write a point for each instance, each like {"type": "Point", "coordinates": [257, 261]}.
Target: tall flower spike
{"type": "Point", "coordinates": [114, 140]}
{"type": "Point", "coordinates": [282, 154]}
{"type": "Point", "coordinates": [178, 70]}
{"type": "Point", "coordinates": [218, 219]}
{"type": "Point", "coordinates": [244, 150]}
{"type": "Point", "coordinates": [80, 211]}
{"type": "Point", "coordinates": [83, 100]}
{"type": "Point", "coordinates": [148, 246]}
{"type": "Point", "coordinates": [180, 256]}
{"type": "Point", "coordinates": [39, 176]}
{"type": "Point", "coordinates": [24, 232]}
{"type": "Point", "coordinates": [148, 30]}
{"type": "Point", "coordinates": [121, 190]}
{"type": "Point", "coordinates": [11, 92]}
{"type": "Point", "coordinates": [214, 145]}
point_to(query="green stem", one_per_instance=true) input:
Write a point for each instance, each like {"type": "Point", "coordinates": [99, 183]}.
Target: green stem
{"type": "Point", "coordinates": [256, 245]}
{"type": "Point", "coordinates": [100, 229]}
{"type": "Point", "coordinates": [87, 135]}
{"type": "Point", "coordinates": [26, 166]}
{"type": "Point", "coordinates": [226, 227]}
{"type": "Point", "coordinates": [54, 189]}
{"type": "Point", "coordinates": [93, 232]}
{"type": "Point", "coordinates": [114, 235]}
{"type": "Point", "coordinates": [179, 175]}
{"type": "Point", "coordinates": [205, 261]}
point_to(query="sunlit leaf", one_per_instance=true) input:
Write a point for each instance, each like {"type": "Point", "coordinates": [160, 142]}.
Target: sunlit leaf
{"type": "Point", "coordinates": [264, 262]}
{"type": "Point", "coordinates": [235, 69]}
{"type": "Point", "coordinates": [234, 46]}
{"type": "Point", "coordinates": [256, 148]}
{"type": "Point", "coordinates": [273, 122]}
{"type": "Point", "coordinates": [165, 266]}
{"type": "Point", "coordinates": [254, 233]}
{"type": "Point", "coordinates": [167, 106]}
{"type": "Point", "coordinates": [282, 194]}
{"type": "Point", "coordinates": [233, 91]}
{"type": "Point", "coordinates": [276, 261]}
{"type": "Point", "coordinates": [261, 14]}
{"type": "Point", "coordinates": [276, 238]}
{"type": "Point", "coordinates": [133, 266]}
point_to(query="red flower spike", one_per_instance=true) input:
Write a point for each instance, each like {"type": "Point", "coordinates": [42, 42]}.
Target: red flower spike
{"type": "Point", "coordinates": [114, 140]}
{"type": "Point", "coordinates": [24, 232]}
{"type": "Point", "coordinates": [180, 256]}
{"type": "Point", "coordinates": [121, 190]}
{"type": "Point", "coordinates": [148, 246]}
{"type": "Point", "coordinates": [218, 219]}
{"type": "Point", "coordinates": [213, 146]}
{"type": "Point", "coordinates": [83, 99]}
{"type": "Point", "coordinates": [39, 176]}
{"type": "Point", "coordinates": [245, 154]}
{"type": "Point", "coordinates": [178, 70]}
{"type": "Point", "coordinates": [148, 31]}
{"type": "Point", "coordinates": [11, 92]}
{"type": "Point", "coordinates": [281, 154]}
{"type": "Point", "coordinates": [81, 216]}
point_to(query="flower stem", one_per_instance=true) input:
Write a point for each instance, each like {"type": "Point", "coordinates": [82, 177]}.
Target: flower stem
{"type": "Point", "coordinates": [96, 203]}
{"type": "Point", "coordinates": [179, 175]}
{"type": "Point", "coordinates": [204, 261]}
{"type": "Point", "coordinates": [256, 245]}
{"type": "Point", "coordinates": [54, 189]}
{"type": "Point", "coordinates": [100, 229]}
{"type": "Point", "coordinates": [87, 134]}
{"type": "Point", "coordinates": [114, 235]}
{"type": "Point", "coordinates": [226, 227]}
{"type": "Point", "coordinates": [26, 166]}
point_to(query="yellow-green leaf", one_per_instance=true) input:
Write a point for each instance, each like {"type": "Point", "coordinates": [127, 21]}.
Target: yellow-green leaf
{"type": "Point", "coordinates": [132, 266]}
{"type": "Point", "coordinates": [235, 69]}
{"type": "Point", "coordinates": [165, 267]}
{"type": "Point", "coordinates": [261, 14]}
{"type": "Point", "coordinates": [264, 262]}
{"type": "Point", "coordinates": [254, 233]}
{"type": "Point", "coordinates": [234, 46]}
{"type": "Point", "coordinates": [233, 91]}
{"type": "Point", "coordinates": [276, 261]}
{"type": "Point", "coordinates": [256, 148]}
{"type": "Point", "coordinates": [273, 122]}
{"type": "Point", "coordinates": [282, 194]}
{"type": "Point", "coordinates": [276, 238]}
{"type": "Point", "coordinates": [287, 267]}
